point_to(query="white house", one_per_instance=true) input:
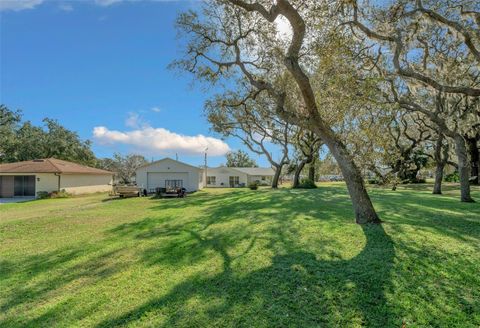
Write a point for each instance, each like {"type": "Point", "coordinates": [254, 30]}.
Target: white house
{"type": "Point", "coordinates": [168, 172]}
{"type": "Point", "coordinates": [172, 173]}
{"type": "Point", "coordinates": [238, 176]}
{"type": "Point", "coordinates": [261, 175]}
{"type": "Point", "coordinates": [27, 178]}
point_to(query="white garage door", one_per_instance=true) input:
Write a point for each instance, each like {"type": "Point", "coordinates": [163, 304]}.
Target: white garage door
{"type": "Point", "coordinates": [157, 180]}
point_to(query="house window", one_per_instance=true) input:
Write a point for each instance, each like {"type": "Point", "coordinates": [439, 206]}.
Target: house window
{"type": "Point", "coordinates": [234, 181]}
{"type": "Point", "coordinates": [264, 178]}
{"type": "Point", "coordinates": [211, 181]}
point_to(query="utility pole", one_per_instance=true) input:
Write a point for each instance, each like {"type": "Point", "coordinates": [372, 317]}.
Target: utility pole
{"type": "Point", "coordinates": [206, 166]}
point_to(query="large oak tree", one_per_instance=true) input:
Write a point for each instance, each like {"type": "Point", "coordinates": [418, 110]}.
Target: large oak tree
{"type": "Point", "coordinates": [239, 39]}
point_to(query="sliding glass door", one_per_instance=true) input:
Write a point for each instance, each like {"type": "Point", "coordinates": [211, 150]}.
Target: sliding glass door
{"type": "Point", "coordinates": [24, 185]}
{"type": "Point", "coordinates": [234, 181]}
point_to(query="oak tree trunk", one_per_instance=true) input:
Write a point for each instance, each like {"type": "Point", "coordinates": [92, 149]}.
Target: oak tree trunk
{"type": "Point", "coordinates": [474, 159]}
{"type": "Point", "coordinates": [441, 158]}
{"type": "Point", "coordinates": [296, 176]}
{"type": "Point", "coordinates": [362, 205]}
{"type": "Point", "coordinates": [311, 172]}
{"type": "Point", "coordinates": [276, 176]}
{"type": "Point", "coordinates": [437, 187]}
{"type": "Point", "coordinates": [463, 168]}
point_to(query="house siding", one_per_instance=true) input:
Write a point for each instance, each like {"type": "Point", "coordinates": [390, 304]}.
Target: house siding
{"type": "Point", "coordinates": [85, 183]}
{"type": "Point", "coordinates": [48, 182]}
{"type": "Point", "coordinates": [72, 183]}
{"type": "Point", "coordinates": [166, 166]}
{"type": "Point", "coordinates": [222, 176]}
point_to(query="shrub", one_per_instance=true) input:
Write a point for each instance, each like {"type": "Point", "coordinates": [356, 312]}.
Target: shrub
{"type": "Point", "coordinates": [372, 181]}
{"type": "Point", "coordinates": [253, 185]}
{"type": "Point", "coordinates": [452, 177]}
{"type": "Point", "coordinates": [59, 194]}
{"type": "Point", "coordinates": [307, 184]}
{"type": "Point", "coordinates": [54, 194]}
{"type": "Point", "coordinates": [43, 194]}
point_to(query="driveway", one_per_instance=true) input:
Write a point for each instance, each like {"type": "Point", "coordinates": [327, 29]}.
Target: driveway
{"type": "Point", "coordinates": [16, 199]}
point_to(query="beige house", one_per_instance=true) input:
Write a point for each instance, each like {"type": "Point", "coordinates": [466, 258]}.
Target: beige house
{"type": "Point", "coordinates": [171, 173]}
{"type": "Point", "coordinates": [238, 176]}
{"type": "Point", "coordinates": [30, 177]}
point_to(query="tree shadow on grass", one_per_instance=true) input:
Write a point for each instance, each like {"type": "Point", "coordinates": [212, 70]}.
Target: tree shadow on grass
{"type": "Point", "coordinates": [442, 214]}
{"type": "Point", "coordinates": [295, 289]}
{"type": "Point", "coordinates": [298, 287]}
{"type": "Point", "coordinates": [292, 282]}
{"type": "Point", "coordinates": [43, 274]}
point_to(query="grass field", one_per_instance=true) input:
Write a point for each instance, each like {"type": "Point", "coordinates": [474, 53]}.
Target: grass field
{"type": "Point", "coordinates": [242, 258]}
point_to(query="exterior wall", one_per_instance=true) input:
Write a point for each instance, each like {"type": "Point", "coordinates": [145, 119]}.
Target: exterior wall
{"type": "Point", "coordinates": [222, 176]}
{"type": "Point", "coordinates": [166, 166]}
{"type": "Point", "coordinates": [72, 183]}
{"type": "Point", "coordinates": [48, 182]}
{"type": "Point", "coordinates": [85, 183]}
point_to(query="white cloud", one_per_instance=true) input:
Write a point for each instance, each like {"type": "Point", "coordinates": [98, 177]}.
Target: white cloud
{"type": "Point", "coordinates": [161, 141]}
{"type": "Point", "coordinates": [65, 6]}
{"type": "Point", "coordinates": [156, 109]}
{"type": "Point", "coordinates": [17, 5]}
{"type": "Point", "coordinates": [134, 120]}
{"type": "Point", "coordinates": [105, 3]}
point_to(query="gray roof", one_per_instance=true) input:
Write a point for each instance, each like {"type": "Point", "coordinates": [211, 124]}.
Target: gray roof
{"type": "Point", "coordinates": [256, 170]}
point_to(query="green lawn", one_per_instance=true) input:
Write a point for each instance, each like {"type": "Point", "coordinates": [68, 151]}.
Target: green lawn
{"type": "Point", "coordinates": [242, 258]}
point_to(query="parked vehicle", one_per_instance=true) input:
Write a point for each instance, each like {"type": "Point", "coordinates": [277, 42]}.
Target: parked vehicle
{"type": "Point", "coordinates": [127, 191]}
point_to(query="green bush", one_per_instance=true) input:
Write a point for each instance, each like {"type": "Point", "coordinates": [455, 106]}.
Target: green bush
{"type": "Point", "coordinates": [452, 177]}
{"type": "Point", "coordinates": [307, 184]}
{"type": "Point", "coordinates": [253, 185]}
{"type": "Point", "coordinates": [43, 195]}
{"type": "Point", "coordinates": [372, 181]}
{"type": "Point", "coordinates": [54, 194]}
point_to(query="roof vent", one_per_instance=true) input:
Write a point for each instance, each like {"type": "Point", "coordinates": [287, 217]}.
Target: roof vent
{"type": "Point", "coordinates": [38, 160]}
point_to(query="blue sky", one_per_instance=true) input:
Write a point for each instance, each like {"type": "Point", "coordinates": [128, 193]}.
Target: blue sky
{"type": "Point", "coordinates": [102, 65]}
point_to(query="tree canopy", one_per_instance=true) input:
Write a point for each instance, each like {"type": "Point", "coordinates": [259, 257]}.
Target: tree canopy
{"type": "Point", "coordinates": [124, 166]}
{"type": "Point", "coordinates": [240, 158]}
{"type": "Point", "coordinates": [389, 88]}
{"type": "Point", "coordinates": [22, 141]}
